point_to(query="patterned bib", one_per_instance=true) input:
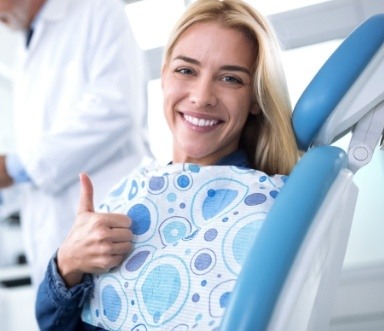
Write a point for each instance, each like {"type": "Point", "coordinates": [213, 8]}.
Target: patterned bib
{"type": "Point", "coordinates": [192, 226]}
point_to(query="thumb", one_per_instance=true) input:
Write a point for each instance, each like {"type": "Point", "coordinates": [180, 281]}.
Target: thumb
{"type": "Point", "coordinates": [86, 194]}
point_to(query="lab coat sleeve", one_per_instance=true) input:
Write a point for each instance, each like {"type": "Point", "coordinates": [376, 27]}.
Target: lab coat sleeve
{"type": "Point", "coordinates": [16, 169]}
{"type": "Point", "coordinates": [103, 122]}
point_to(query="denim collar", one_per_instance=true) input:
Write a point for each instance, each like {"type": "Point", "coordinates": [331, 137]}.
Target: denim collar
{"type": "Point", "coordinates": [237, 158]}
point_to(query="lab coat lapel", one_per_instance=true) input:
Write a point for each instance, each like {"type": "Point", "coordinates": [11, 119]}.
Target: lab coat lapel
{"type": "Point", "coordinates": [53, 10]}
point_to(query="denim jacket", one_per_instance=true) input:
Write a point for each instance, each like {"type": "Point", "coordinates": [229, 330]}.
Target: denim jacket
{"type": "Point", "coordinates": [59, 308]}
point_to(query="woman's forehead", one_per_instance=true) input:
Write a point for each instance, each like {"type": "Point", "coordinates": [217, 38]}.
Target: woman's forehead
{"type": "Point", "coordinates": [211, 39]}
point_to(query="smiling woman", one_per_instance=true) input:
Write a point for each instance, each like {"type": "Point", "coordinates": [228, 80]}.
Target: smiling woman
{"type": "Point", "coordinates": [169, 237]}
{"type": "Point", "coordinates": [271, 108]}
{"type": "Point", "coordinates": [208, 94]}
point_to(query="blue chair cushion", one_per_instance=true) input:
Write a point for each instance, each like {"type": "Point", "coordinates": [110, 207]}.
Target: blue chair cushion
{"type": "Point", "coordinates": [335, 78]}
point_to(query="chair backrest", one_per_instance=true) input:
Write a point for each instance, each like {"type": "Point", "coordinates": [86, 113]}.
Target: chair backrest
{"type": "Point", "coordinates": [291, 272]}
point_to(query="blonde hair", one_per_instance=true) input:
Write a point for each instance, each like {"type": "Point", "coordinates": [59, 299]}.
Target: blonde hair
{"type": "Point", "coordinates": [267, 137]}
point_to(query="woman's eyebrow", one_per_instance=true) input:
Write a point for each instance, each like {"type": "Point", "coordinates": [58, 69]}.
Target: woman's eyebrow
{"type": "Point", "coordinates": [187, 59]}
{"type": "Point", "coordinates": [228, 67]}
{"type": "Point", "coordinates": [236, 68]}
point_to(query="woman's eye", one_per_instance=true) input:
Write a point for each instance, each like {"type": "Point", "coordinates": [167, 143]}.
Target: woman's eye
{"type": "Point", "coordinates": [184, 71]}
{"type": "Point", "coordinates": [233, 80]}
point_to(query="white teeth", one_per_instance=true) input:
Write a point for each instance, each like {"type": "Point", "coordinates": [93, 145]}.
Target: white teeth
{"type": "Point", "coordinates": [199, 122]}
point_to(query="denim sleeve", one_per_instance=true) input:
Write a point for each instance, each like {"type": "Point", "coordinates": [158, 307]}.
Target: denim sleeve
{"type": "Point", "coordinates": [57, 307]}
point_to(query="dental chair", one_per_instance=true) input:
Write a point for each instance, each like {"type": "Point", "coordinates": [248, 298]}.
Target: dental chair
{"type": "Point", "coordinates": [291, 272]}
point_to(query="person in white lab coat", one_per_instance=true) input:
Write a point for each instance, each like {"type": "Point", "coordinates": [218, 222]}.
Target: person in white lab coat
{"type": "Point", "coordinates": [80, 105]}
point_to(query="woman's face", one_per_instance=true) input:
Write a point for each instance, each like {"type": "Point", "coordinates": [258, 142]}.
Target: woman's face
{"type": "Point", "coordinates": [208, 94]}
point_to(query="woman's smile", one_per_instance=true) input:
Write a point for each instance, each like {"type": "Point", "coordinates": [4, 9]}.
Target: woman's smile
{"type": "Point", "coordinates": [200, 122]}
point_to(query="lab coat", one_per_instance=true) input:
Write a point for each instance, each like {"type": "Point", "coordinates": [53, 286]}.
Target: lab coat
{"type": "Point", "coordinates": [80, 105]}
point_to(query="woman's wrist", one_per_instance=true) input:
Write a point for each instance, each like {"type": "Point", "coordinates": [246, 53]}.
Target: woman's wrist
{"type": "Point", "coordinates": [70, 275]}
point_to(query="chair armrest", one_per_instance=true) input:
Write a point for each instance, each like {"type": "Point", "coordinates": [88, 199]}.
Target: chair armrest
{"type": "Point", "coordinates": [273, 251]}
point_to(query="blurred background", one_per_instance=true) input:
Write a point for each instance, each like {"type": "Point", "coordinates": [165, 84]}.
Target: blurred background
{"type": "Point", "coordinates": [309, 31]}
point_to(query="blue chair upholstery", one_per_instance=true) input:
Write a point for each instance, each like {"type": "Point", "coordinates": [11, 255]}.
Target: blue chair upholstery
{"type": "Point", "coordinates": [319, 196]}
{"type": "Point", "coordinates": [335, 78]}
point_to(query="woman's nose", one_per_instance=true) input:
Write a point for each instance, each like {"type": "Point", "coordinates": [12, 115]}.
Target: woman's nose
{"type": "Point", "coordinates": [203, 93]}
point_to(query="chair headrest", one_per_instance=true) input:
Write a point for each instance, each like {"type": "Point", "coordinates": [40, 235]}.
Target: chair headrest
{"type": "Point", "coordinates": [359, 57]}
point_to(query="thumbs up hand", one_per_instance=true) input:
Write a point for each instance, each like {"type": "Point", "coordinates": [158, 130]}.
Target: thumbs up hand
{"type": "Point", "coordinates": [86, 194]}
{"type": "Point", "coordinates": [96, 243]}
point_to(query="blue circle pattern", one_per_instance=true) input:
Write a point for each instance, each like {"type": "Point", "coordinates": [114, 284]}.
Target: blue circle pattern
{"type": "Point", "coordinates": [192, 226]}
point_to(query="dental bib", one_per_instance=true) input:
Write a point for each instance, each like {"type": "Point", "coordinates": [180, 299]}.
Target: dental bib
{"type": "Point", "coordinates": [192, 226]}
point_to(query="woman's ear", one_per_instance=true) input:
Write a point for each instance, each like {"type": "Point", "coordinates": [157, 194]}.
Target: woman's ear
{"type": "Point", "coordinates": [255, 108]}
